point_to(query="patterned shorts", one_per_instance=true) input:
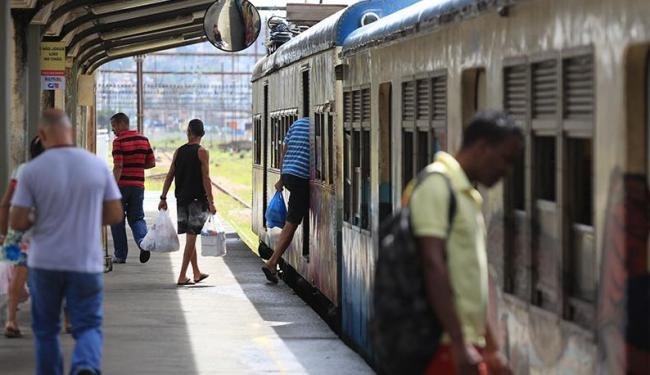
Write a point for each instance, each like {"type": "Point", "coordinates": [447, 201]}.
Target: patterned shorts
{"type": "Point", "coordinates": [192, 216]}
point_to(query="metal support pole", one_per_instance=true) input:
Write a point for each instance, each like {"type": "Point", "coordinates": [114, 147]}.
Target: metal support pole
{"type": "Point", "coordinates": [140, 78]}
{"type": "Point", "coordinates": [5, 93]}
{"type": "Point", "coordinates": [34, 92]}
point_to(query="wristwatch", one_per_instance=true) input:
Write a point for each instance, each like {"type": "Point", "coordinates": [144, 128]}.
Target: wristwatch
{"type": "Point", "coordinates": [163, 198]}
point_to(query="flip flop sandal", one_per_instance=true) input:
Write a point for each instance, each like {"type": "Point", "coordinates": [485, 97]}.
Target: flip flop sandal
{"type": "Point", "coordinates": [201, 278]}
{"type": "Point", "coordinates": [185, 283]}
{"type": "Point", "coordinates": [13, 333]}
{"type": "Point", "coordinates": [270, 275]}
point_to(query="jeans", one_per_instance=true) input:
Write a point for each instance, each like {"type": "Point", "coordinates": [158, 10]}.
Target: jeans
{"type": "Point", "coordinates": [132, 198]}
{"type": "Point", "coordinates": [83, 293]}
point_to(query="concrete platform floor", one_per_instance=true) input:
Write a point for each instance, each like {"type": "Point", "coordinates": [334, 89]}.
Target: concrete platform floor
{"type": "Point", "coordinates": [233, 323]}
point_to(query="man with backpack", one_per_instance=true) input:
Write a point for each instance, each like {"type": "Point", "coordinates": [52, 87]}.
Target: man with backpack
{"type": "Point", "coordinates": [431, 292]}
{"type": "Point", "coordinates": [454, 253]}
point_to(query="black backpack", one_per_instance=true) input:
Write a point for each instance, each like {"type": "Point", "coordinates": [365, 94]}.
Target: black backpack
{"type": "Point", "coordinates": [405, 331]}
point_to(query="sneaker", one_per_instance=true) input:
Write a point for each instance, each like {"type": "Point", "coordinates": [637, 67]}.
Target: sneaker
{"type": "Point", "coordinates": [144, 256]}
{"type": "Point", "coordinates": [117, 260]}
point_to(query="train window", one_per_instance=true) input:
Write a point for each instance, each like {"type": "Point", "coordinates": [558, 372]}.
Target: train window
{"type": "Point", "coordinates": [516, 269]}
{"type": "Point", "coordinates": [347, 171]}
{"type": "Point", "coordinates": [423, 154]}
{"type": "Point", "coordinates": [407, 157]}
{"type": "Point", "coordinates": [578, 88]}
{"type": "Point", "coordinates": [356, 177]}
{"type": "Point", "coordinates": [347, 107]}
{"type": "Point", "coordinates": [580, 179]}
{"type": "Point", "coordinates": [518, 179]}
{"type": "Point", "coordinates": [365, 179]}
{"type": "Point", "coordinates": [317, 146]}
{"type": "Point", "coordinates": [424, 122]}
{"type": "Point", "coordinates": [556, 107]}
{"type": "Point", "coordinates": [365, 105]}
{"type": "Point", "coordinates": [330, 148]}
{"type": "Point", "coordinates": [581, 254]}
{"type": "Point", "coordinates": [516, 92]}
{"type": "Point", "coordinates": [545, 167]}
{"type": "Point", "coordinates": [408, 101]}
{"type": "Point", "coordinates": [273, 140]}
{"type": "Point", "coordinates": [423, 100]}
{"type": "Point", "coordinates": [544, 90]}
{"type": "Point", "coordinates": [305, 93]}
{"type": "Point", "coordinates": [439, 115]}
{"type": "Point", "coordinates": [323, 148]}
{"type": "Point", "coordinates": [357, 113]}
{"type": "Point", "coordinates": [257, 139]}
{"type": "Point", "coordinates": [578, 96]}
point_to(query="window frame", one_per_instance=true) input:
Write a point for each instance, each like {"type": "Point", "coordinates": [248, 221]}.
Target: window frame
{"type": "Point", "coordinates": [426, 126]}
{"type": "Point", "coordinates": [257, 139]}
{"type": "Point", "coordinates": [281, 121]}
{"type": "Point", "coordinates": [564, 130]}
{"type": "Point", "coordinates": [323, 141]}
{"type": "Point", "coordinates": [358, 178]}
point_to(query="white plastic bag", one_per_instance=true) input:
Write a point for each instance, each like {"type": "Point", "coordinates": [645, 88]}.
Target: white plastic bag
{"type": "Point", "coordinates": [162, 237]}
{"type": "Point", "coordinates": [213, 238]}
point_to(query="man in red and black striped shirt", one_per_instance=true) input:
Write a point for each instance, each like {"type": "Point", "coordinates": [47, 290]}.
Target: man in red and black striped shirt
{"type": "Point", "coordinates": [132, 154]}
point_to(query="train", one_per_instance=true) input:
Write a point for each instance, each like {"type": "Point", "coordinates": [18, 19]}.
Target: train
{"type": "Point", "coordinates": [387, 84]}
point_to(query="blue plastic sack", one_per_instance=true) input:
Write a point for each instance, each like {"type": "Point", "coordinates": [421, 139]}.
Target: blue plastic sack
{"type": "Point", "coordinates": [276, 213]}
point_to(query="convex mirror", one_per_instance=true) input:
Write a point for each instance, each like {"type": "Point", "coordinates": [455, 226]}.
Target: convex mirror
{"type": "Point", "coordinates": [232, 25]}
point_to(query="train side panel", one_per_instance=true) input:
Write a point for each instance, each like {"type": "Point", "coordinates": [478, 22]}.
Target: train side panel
{"type": "Point", "coordinates": [318, 263]}
{"type": "Point", "coordinates": [558, 337]}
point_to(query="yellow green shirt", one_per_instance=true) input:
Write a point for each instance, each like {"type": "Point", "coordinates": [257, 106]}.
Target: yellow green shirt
{"type": "Point", "coordinates": [466, 253]}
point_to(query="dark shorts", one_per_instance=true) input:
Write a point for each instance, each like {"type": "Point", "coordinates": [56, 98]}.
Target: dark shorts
{"type": "Point", "coordinates": [192, 216]}
{"type": "Point", "coordinates": [298, 199]}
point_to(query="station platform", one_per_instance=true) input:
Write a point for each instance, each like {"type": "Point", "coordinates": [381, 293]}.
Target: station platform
{"type": "Point", "coordinates": [232, 323]}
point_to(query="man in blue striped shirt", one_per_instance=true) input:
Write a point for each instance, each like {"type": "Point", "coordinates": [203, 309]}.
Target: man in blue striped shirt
{"type": "Point", "coordinates": [294, 165]}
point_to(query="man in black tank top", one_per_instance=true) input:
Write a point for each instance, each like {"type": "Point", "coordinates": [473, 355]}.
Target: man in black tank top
{"type": "Point", "coordinates": [193, 190]}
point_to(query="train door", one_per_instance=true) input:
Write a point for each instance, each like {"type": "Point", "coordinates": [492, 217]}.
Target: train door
{"type": "Point", "coordinates": [647, 116]}
{"type": "Point", "coordinates": [305, 113]}
{"type": "Point", "coordinates": [265, 156]}
{"type": "Point", "coordinates": [385, 151]}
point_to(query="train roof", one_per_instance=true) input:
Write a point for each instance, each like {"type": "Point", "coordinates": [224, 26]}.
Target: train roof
{"type": "Point", "coordinates": [424, 15]}
{"type": "Point", "coordinates": [326, 34]}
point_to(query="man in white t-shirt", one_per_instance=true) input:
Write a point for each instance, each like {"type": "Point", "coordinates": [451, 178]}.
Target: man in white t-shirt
{"type": "Point", "coordinates": [73, 194]}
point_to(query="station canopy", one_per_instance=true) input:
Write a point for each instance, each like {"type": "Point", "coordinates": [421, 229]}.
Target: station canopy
{"type": "Point", "coordinates": [98, 31]}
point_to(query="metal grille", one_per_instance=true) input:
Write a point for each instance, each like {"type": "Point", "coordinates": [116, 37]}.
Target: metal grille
{"type": "Point", "coordinates": [356, 106]}
{"type": "Point", "coordinates": [408, 101]}
{"type": "Point", "coordinates": [545, 89]}
{"type": "Point", "coordinates": [423, 99]}
{"type": "Point", "coordinates": [579, 87]}
{"type": "Point", "coordinates": [439, 98]}
{"type": "Point", "coordinates": [365, 105]}
{"type": "Point", "coordinates": [515, 95]}
{"type": "Point", "coordinates": [347, 106]}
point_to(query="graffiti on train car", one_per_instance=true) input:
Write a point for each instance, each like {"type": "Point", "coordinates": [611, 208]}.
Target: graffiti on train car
{"type": "Point", "coordinates": [536, 340]}
{"type": "Point", "coordinates": [623, 309]}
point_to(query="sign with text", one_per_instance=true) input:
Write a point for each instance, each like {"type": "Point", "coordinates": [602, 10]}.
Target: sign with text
{"type": "Point", "coordinates": [52, 65]}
